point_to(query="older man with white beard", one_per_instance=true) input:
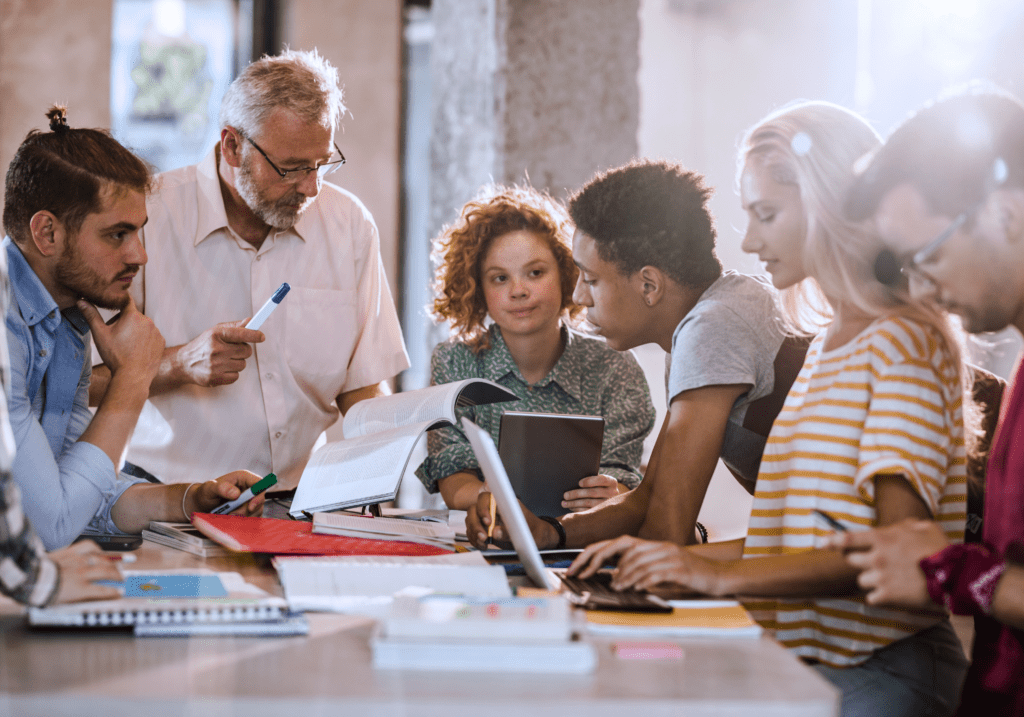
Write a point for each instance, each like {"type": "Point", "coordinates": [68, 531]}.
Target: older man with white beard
{"type": "Point", "coordinates": [222, 236]}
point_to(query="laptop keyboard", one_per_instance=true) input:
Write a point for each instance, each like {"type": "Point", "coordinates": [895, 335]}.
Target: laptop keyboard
{"type": "Point", "coordinates": [596, 593]}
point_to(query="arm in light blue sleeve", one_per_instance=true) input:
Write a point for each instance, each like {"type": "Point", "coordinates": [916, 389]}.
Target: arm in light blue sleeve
{"type": "Point", "coordinates": [80, 418]}
{"type": "Point", "coordinates": [60, 495]}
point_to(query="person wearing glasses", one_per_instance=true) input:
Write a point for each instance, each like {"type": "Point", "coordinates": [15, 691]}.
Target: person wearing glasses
{"type": "Point", "coordinates": [222, 236]}
{"type": "Point", "coordinates": [953, 222]}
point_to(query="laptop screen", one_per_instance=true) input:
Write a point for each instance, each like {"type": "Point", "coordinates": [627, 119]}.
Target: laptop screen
{"type": "Point", "coordinates": [511, 514]}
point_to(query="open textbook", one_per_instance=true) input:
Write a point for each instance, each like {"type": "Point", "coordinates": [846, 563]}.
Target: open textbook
{"type": "Point", "coordinates": [380, 435]}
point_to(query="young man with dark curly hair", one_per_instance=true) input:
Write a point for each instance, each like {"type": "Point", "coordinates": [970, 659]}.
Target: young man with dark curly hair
{"type": "Point", "coordinates": [645, 246]}
{"type": "Point", "coordinates": [507, 258]}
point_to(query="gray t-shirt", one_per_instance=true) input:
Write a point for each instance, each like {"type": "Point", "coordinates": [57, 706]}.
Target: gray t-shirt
{"type": "Point", "coordinates": [731, 336]}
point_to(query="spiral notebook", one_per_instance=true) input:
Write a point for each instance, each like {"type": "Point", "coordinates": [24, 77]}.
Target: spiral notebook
{"type": "Point", "coordinates": [179, 602]}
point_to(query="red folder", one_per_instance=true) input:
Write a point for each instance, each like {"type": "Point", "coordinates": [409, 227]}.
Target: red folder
{"type": "Point", "coordinates": [296, 537]}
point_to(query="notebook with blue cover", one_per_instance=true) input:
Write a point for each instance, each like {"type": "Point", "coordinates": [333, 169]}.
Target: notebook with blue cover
{"type": "Point", "coordinates": [179, 602]}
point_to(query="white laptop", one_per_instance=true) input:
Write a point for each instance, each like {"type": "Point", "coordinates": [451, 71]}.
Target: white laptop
{"type": "Point", "coordinates": [590, 593]}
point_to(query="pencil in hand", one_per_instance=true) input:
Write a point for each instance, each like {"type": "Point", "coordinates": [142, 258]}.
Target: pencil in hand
{"type": "Point", "coordinates": [493, 511]}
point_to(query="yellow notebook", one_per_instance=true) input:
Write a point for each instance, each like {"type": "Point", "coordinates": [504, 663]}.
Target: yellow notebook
{"type": "Point", "coordinates": [689, 618]}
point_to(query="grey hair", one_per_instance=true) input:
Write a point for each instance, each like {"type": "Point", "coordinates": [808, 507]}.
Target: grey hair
{"type": "Point", "coordinates": [303, 82]}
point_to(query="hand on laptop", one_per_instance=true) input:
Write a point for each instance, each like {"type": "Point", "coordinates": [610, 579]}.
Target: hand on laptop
{"type": "Point", "coordinates": [593, 490]}
{"type": "Point", "coordinates": [478, 519]}
{"type": "Point", "coordinates": [643, 564]}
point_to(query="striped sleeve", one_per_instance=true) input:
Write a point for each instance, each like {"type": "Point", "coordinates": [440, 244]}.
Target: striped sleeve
{"type": "Point", "coordinates": [914, 421]}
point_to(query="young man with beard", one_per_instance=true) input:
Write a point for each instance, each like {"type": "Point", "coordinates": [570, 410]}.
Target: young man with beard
{"type": "Point", "coordinates": [947, 193]}
{"type": "Point", "coordinates": [222, 236]}
{"type": "Point", "coordinates": [74, 203]}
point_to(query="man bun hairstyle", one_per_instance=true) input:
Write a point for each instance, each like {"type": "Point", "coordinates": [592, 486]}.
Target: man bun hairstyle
{"type": "Point", "coordinates": [302, 82]}
{"type": "Point", "coordinates": [651, 213]}
{"type": "Point", "coordinates": [954, 151]}
{"type": "Point", "coordinates": [65, 171]}
{"type": "Point", "coordinates": [58, 116]}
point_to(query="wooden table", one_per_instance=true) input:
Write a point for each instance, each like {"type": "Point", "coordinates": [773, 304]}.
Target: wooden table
{"type": "Point", "coordinates": [329, 673]}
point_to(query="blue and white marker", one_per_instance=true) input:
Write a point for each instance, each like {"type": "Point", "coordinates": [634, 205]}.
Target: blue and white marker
{"type": "Point", "coordinates": [268, 308]}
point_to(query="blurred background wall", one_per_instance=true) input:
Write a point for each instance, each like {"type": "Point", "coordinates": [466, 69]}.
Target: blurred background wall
{"type": "Point", "coordinates": [449, 94]}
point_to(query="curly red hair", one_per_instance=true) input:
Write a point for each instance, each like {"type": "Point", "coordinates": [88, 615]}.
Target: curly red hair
{"type": "Point", "coordinates": [461, 246]}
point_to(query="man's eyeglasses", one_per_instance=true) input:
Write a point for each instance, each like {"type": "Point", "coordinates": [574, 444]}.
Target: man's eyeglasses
{"type": "Point", "coordinates": [890, 268]}
{"type": "Point", "coordinates": [294, 176]}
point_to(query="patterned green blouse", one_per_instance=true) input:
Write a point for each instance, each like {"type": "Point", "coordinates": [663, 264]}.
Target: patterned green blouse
{"type": "Point", "coordinates": [589, 379]}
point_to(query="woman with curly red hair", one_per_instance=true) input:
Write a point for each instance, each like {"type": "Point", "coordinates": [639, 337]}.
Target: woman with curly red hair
{"type": "Point", "coordinates": [504, 284]}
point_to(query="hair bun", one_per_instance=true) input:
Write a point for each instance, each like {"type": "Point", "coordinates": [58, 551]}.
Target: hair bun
{"type": "Point", "coordinates": [58, 116]}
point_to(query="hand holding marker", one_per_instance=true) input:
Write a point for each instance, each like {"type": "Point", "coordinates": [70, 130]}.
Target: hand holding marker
{"type": "Point", "coordinates": [268, 308]}
{"type": "Point", "coordinates": [248, 494]}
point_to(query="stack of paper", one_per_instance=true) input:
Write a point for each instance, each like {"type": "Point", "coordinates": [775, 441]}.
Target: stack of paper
{"type": "Point", "coordinates": [184, 536]}
{"type": "Point", "coordinates": [366, 526]}
{"type": "Point", "coordinates": [365, 584]}
{"type": "Point", "coordinates": [440, 632]}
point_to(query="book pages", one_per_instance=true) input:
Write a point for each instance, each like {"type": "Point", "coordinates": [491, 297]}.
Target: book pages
{"type": "Point", "coordinates": [386, 412]}
{"type": "Point", "coordinates": [356, 471]}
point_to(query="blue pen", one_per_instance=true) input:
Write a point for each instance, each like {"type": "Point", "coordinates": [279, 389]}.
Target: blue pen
{"type": "Point", "coordinates": [268, 308]}
{"type": "Point", "coordinates": [248, 494]}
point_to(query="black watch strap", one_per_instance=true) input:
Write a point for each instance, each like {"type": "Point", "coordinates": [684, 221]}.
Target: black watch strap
{"type": "Point", "coordinates": [558, 529]}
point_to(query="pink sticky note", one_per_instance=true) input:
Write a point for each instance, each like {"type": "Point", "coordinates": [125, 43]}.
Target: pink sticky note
{"type": "Point", "coordinates": [647, 651]}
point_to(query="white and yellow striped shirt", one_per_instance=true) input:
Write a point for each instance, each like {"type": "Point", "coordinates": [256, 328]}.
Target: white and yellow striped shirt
{"type": "Point", "coordinates": [888, 402]}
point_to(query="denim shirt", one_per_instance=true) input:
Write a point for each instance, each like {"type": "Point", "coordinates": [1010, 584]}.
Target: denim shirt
{"type": "Point", "coordinates": [66, 485]}
{"type": "Point", "coordinates": [26, 573]}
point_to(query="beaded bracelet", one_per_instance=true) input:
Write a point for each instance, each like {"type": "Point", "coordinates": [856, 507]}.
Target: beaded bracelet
{"type": "Point", "coordinates": [558, 529]}
{"type": "Point", "coordinates": [963, 577]}
{"type": "Point", "coordinates": [702, 531]}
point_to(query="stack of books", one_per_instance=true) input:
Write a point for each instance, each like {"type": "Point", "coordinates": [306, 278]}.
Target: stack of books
{"type": "Point", "coordinates": [183, 536]}
{"type": "Point", "coordinates": [444, 632]}
{"type": "Point", "coordinates": [433, 533]}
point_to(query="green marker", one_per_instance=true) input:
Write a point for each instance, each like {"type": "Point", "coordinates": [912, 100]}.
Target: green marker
{"type": "Point", "coordinates": [261, 485]}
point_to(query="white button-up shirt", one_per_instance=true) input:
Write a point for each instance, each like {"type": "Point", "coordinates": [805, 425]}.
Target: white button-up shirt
{"type": "Point", "coordinates": [335, 331]}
